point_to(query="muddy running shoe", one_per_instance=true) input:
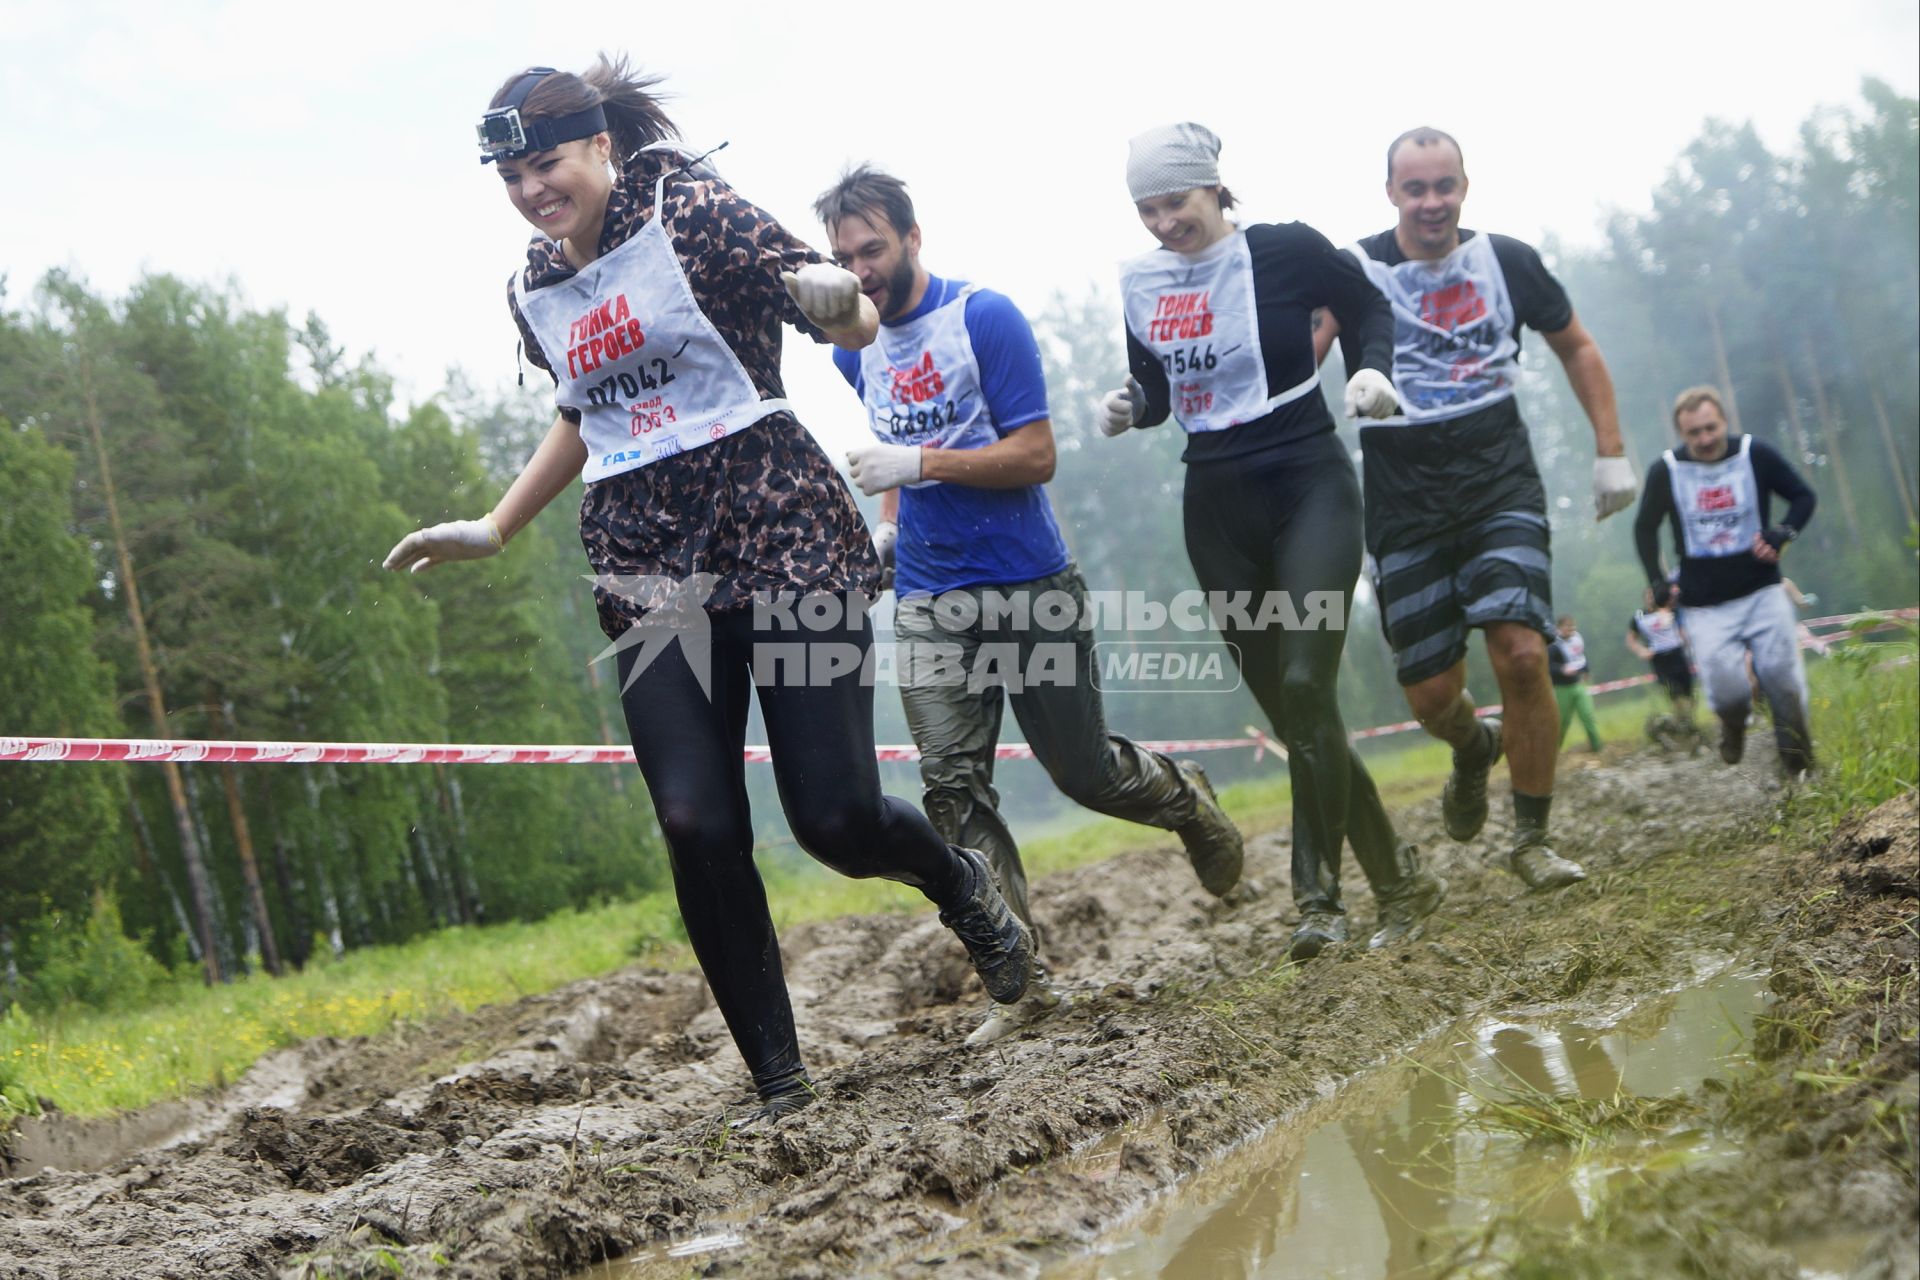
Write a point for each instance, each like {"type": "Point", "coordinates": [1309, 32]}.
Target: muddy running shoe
{"type": "Point", "coordinates": [777, 1106]}
{"type": "Point", "coordinates": [1213, 843]}
{"type": "Point", "coordinates": [1733, 738]}
{"type": "Point", "coordinates": [1463, 804]}
{"type": "Point", "coordinates": [1535, 862]}
{"type": "Point", "coordinates": [1003, 1020]}
{"type": "Point", "coordinates": [1404, 908]}
{"type": "Point", "coordinates": [999, 945]}
{"type": "Point", "coordinates": [1317, 931]}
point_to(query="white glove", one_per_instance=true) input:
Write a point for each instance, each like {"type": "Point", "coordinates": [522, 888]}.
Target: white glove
{"type": "Point", "coordinates": [1122, 409]}
{"type": "Point", "coordinates": [454, 540]}
{"type": "Point", "coordinates": [827, 295]}
{"type": "Point", "coordinates": [1614, 486]}
{"type": "Point", "coordinates": [1370, 395]}
{"type": "Point", "coordinates": [886, 535]}
{"type": "Point", "coordinates": [879, 467]}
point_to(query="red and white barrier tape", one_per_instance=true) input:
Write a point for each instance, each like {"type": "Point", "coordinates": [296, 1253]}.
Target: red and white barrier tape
{"type": "Point", "coordinates": [150, 750]}
{"type": "Point", "coordinates": [153, 750]}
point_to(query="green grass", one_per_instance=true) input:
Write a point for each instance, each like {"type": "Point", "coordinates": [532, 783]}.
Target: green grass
{"type": "Point", "coordinates": [93, 1062]}
{"type": "Point", "coordinates": [1866, 734]}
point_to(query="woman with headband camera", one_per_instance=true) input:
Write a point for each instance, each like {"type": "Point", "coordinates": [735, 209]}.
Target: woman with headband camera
{"type": "Point", "coordinates": [653, 293]}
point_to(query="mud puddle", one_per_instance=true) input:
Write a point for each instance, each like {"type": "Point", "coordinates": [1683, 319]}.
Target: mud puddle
{"type": "Point", "coordinates": [668, 1261]}
{"type": "Point", "coordinates": [1380, 1180]}
{"type": "Point", "coordinates": [1387, 1173]}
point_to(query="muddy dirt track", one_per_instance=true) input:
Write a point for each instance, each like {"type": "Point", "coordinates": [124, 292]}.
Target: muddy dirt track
{"type": "Point", "coordinates": [539, 1138]}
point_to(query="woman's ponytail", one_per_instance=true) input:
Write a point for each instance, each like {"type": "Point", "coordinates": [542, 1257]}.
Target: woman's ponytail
{"type": "Point", "coordinates": [634, 113]}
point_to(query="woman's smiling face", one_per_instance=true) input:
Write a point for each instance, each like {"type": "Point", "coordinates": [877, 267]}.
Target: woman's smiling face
{"type": "Point", "coordinates": [1185, 221]}
{"type": "Point", "coordinates": [562, 191]}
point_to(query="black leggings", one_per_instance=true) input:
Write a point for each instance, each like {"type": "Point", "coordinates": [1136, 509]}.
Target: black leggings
{"type": "Point", "coordinates": [1288, 520]}
{"type": "Point", "coordinates": [821, 739]}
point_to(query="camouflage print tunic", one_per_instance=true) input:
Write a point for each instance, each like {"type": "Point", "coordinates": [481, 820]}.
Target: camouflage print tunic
{"type": "Point", "coordinates": [762, 510]}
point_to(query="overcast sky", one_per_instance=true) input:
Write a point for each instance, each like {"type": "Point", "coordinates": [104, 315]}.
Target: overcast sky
{"type": "Point", "coordinates": [322, 156]}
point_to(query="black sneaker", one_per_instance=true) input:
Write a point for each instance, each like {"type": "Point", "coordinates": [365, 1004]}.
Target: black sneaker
{"type": "Point", "coordinates": [1733, 738]}
{"type": "Point", "coordinates": [1535, 862]}
{"type": "Point", "coordinates": [999, 945]}
{"type": "Point", "coordinates": [1463, 803]}
{"type": "Point", "coordinates": [1404, 908]}
{"type": "Point", "coordinates": [1213, 843]}
{"type": "Point", "coordinates": [774, 1107]}
{"type": "Point", "coordinates": [1317, 931]}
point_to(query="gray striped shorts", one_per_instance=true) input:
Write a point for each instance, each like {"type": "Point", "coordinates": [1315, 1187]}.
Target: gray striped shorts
{"type": "Point", "coordinates": [1432, 593]}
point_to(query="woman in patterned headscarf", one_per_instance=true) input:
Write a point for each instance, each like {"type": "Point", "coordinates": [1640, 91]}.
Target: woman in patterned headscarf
{"type": "Point", "coordinates": [1222, 335]}
{"type": "Point", "coordinates": [654, 294]}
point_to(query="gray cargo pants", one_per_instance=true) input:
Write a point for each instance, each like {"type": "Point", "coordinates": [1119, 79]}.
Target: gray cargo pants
{"type": "Point", "coordinates": [962, 656]}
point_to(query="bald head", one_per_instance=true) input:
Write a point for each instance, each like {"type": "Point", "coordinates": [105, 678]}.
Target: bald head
{"type": "Point", "coordinates": [1426, 181]}
{"type": "Point", "coordinates": [1422, 138]}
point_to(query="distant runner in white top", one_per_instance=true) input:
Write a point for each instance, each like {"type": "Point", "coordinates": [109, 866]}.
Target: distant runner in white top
{"type": "Point", "coordinates": [1715, 492]}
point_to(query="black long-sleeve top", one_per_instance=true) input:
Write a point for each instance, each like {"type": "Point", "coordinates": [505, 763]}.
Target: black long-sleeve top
{"type": "Point", "coordinates": [1709, 580]}
{"type": "Point", "coordinates": [1296, 271]}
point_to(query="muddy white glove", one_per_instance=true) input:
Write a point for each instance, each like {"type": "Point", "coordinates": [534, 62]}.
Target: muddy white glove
{"type": "Point", "coordinates": [1614, 486]}
{"type": "Point", "coordinates": [1370, 395]}
{"type": "Point", "coordinates": [828, 295]}
{"type": "Point", "coordinates": [454, 540]}
{"type": "Point", "coordinates": [879, 467]}
{"type": "Point", "coordinates": [1122, 409]}
{"type": "Point", "coordinates": [886, 535]}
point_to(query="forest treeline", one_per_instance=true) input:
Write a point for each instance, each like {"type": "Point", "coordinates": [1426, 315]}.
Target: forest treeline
{"type": "Point", "coordinates": [194, 496]}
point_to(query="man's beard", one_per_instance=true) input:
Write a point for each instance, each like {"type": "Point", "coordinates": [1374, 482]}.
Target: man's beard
{"type": "Point", "coordinates": [899, 289]}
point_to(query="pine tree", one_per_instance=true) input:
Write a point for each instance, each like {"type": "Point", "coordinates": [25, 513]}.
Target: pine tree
{"type": "Point", "coordinates": [58, 822]}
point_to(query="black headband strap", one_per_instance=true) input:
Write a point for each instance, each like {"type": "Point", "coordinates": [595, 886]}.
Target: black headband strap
{"type": "Point", "coordinates": [528, 81]}
{"type": "Point", "coordinates": [504, 135]}
{"type": "Point", "coordinates": [554, 130]}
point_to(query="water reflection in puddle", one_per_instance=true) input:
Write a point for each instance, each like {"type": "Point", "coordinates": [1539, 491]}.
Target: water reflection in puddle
{"type": "Point", "coordinates": [1403, 1163]}
{"type": "Point", "coordinates": [670, 1261]}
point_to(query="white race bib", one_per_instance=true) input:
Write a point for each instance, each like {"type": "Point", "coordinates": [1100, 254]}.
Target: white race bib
{"type": "Point", "coordinates": [1660, 631]}
{"type": "Point", "coordinates": [1575, 647]}
{"type": "Point", "coordinates": [1195, 313]}
{"type": "Point", "coordinates": [1453, 346]}
{"type": "Point", "coordinates": [921, 383]}
{"type": "Point", "coordinates": [632, 351]}
{"type": "Point", "coordinates": [1718, 502]}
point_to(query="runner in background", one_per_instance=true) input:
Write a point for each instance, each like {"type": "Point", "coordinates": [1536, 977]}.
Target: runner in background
{"type": "Point", "coordinates": [963, 449]}
{"type": "Point", "coordinates": [1800, 601]}
{"type": "Point", "coordinates": [1715, 492]}
{"type": "Point", "coordinates": [1456, 512]}
{"type": "Point", "coordinates": [654, 294]}
{"type": "Point", "coordinates": [1567, 667]}
{"type": "Point", "coordinates": [1220, 336]}
{"type": "Point", "coordinates": [1654, 636]}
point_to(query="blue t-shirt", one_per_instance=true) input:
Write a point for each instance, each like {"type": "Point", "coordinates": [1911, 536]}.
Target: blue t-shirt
{"type": "Point", "coordinates": [956, 535]}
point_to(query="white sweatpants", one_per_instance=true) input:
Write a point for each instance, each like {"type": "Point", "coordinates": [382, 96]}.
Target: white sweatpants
{"type": "Point", "coordinates": [1762, 624]}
